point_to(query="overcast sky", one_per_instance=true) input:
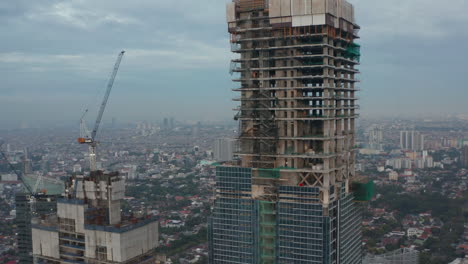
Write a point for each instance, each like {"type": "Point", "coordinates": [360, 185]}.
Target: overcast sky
{"type": "Point", "coordinates": [56, 57]}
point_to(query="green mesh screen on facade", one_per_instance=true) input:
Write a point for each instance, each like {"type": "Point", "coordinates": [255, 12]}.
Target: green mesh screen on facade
{"type": "Point", "coordinates": [267, 234]}
{"type": "Point", "coordinates": [353, 51]}
{"type": "Point", "coordinates": [363, 192]}
{"type": "Point", "coordinates": [271, 173]}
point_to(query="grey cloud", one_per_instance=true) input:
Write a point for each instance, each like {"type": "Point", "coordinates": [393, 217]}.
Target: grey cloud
{"type": "Point", "coordinates": [414, 19]}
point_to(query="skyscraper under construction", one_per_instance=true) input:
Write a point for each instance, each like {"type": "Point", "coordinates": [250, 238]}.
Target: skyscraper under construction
{"type": "Point", "coordinates": [291, 196]}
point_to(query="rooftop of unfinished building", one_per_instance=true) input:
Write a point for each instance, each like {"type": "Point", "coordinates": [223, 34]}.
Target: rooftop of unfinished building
{"type": "Point", "coordinates": [51, 223]}
{"type": "Point", "coordinates": [299, 9]}
{"type": "Point", "coordinates": [46, 222]}
{"type": "Point", "coordinates": [100, 175]}
{"type": "Point", "coordinates": [127, 224]}
{"type": "Point", "coordinates": [267, 1]}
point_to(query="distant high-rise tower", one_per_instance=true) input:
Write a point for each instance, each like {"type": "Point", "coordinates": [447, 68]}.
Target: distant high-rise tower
{"type": "Point", "coordinates": [465, 156]}
{"type": "Point", "coordinates": [411, 140]}
{"type": "Point", "coordinates": [291, 198]}
{"type": "Point", "coordinates": [23, 224]}
{"type": "Point", "coordinates": [43, 205]}
{"type": "Point", "coordinates": [114, 122]}
{"type": "Point", "coordinates": [375, 138]}
{"type": "Point", "coordinates": [171, 123]}
{"type": "Point", "coordinates": [27, 167]}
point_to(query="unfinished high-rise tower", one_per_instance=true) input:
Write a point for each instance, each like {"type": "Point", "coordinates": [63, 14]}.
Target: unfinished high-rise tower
{"type": "Point", "coordinates": [291, 197]}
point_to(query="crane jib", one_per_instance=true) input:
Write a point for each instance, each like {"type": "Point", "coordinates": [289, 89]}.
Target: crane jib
{"type": "Point", "coordinates": [106, 96]}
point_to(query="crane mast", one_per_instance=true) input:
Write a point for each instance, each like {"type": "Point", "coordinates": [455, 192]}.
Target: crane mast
{"type": "Point", "coordinates": [90, 139]}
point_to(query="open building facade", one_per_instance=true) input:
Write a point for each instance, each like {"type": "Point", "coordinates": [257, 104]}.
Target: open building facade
{"type": "Point", "coordinates": [289, 198]}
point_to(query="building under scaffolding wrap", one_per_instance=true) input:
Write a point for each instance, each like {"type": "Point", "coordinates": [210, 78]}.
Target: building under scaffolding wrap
{"type": "Point", "coordinates": [291, 198]}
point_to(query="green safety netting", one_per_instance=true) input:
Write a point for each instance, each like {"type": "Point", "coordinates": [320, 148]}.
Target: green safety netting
{"type": "Point", "coordinates": [353, 51]}
{"type": "Point", "coordinates": [267, 207]}
{"type": "Point", "coordinates": [267, 223]}
{"type": "Point", "coordinates": [272, 173]}
{"type": "Point", "coordinates": [363, 192]}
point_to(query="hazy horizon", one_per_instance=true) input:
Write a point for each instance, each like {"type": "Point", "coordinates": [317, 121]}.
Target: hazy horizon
{"type": "Point", "coordinates": [56, 58]}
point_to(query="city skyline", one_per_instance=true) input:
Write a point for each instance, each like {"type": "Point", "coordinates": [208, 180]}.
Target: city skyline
{"type": "Point", "coordinates": [440, 186]}
{"type": "Point", "coordinates": [180, 62]}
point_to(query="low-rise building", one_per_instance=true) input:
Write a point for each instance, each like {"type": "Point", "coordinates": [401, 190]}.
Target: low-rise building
{"type": "Point", "coordinates": [393, 176]}
{"type": "Point", "coordinates": [414, 232]}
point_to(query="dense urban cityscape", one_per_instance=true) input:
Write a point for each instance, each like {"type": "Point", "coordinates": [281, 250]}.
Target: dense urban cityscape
{"type": "Point", "coordinates": [169, 170]}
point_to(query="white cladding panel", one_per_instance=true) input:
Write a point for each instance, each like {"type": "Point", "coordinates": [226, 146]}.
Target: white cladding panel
{"type": "Point", "coordinates": [79, 189]}
{"type": "Point", "coordinates": [275, 8]}
{"type": "Point", "coordinates": [118, 190]}
{"type": "Point", "coordinates": [307, 20]}
{"type": "Point", "coordinates": [286, 19]}
{"type": "Point", "coordinates": [231, 12]}
{"type": "Point", "coordinates": [90, 189]}
{"type": "Point", "coordinates": [301, 7]}
{"type": "Point", "coordinates": [348, 12]}
{"type": "Point", "coordinates": [307, 7]}
{"type": "Point", "coordinates": [319, 20]}
{"type": "Point", "coordinates": [103, 190]}
{"type": "Point", "coordinates": [286, 8]}
{"type": "Point", "coordinates": [114, 212]}
{"type": "Point", "coordinates": [318, 7]}
{"type": "Point", "coordinates": [45, 243]}
{"type": "Point", "coordinates": [332, 6]}
{"type": "Point", "coordinates": [103, 239]}
{"type": "Point", "coordinates": [298, 21]}
{"type": "Point", "coordinates": [275, 20]}
{"type": "Point", "coordinates": [72, 211]}
{"type": "Point", "coordinates": [139, 240]}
